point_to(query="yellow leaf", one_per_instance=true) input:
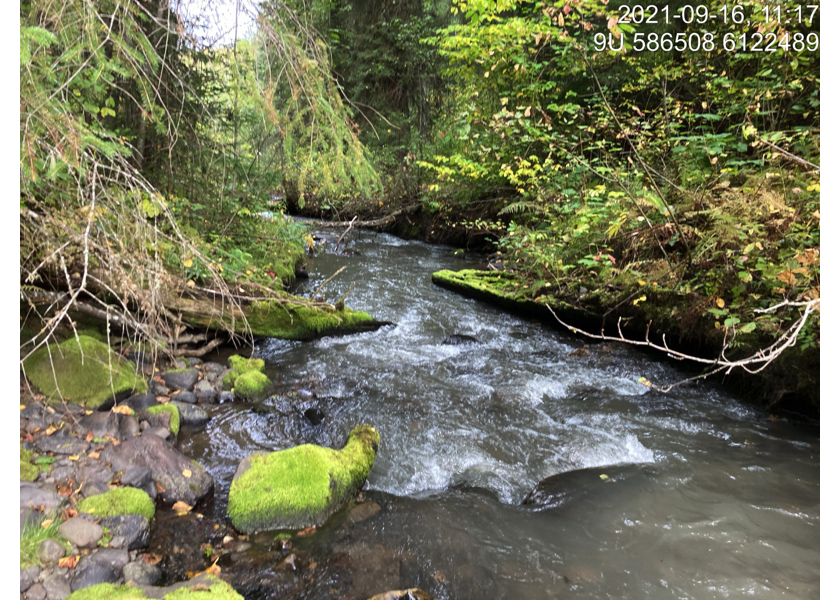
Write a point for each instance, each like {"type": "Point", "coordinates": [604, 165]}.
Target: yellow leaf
{"type": "Point", "coordinates": [605, 477]}
{"type": "Point", "coordinates": [46, 523]}
{"type": "Point", "coordinates": [815, 187]}
{"type": "Point", "coordinates": [641, 298]}
{"type": "Point", "coordinates": [50, 430]}
{"type": "Point", "coordinates": [528, 112]}
{"type": "Point", "coordinates": [181, 507]}
{"type": "Point", "coordinates": [641, 282]}
{"type": "Point", "coordinates": [186, 473]}
{"type": "Point", "coordinates": [122, 410]}
{"type": "Point", "coordinates": [73, 457]}
{"type": "Point", "coordinates": [214, 570]}
{"type": "Point", "coordinates": [188, 263]}
{"type": "Point", "coordinates": [720, 303]}
{"type": "Point", "coordinates": [22, 406]}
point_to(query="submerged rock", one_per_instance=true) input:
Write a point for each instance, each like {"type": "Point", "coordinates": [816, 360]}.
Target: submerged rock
{"type": "Point", "coordinates": [85, 371]}
{"type": "Point", "coordinates": [300, 486]}
{"type": "Point", "coordinates": [563, 488]}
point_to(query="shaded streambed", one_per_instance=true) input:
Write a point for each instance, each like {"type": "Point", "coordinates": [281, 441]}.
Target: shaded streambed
{"type": "Point", "coordinates": [474, 407]}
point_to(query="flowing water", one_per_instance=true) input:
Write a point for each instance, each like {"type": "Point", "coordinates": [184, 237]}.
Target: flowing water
{"type": "Point", "coordinates": [475, 407]}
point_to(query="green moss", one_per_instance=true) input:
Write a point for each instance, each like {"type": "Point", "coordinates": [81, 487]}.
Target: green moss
{"type": "Point", "coordinates": [301, 486]}
{"type": "Point", "coordinates": [218, 590]}
{"type": "Point", "coordinates": [174, 415]}
{"type": "Point", "coordinates": [240, 364]}
{"type": "Point", "coordinates": [119, 501]}
{"type": "Point", "coordinates": [300, 321]}
{"type": "Point", "coordinates": [84, 369]}
{"type": "Point", "coordinates": [501, 284]}
{"type": "Point", "coordinates": [28, 471]}
{"type": "Point", "coordinates": [206, 587]}
{"type": "Point", "coordinates": [253, 386]}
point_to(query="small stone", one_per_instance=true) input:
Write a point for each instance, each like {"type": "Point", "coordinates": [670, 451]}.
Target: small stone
{"type": "Point", "coordinates": [101, 424]}
{"type": "Point", "coordinates": [363, 512]}
{"type": "Point", "coordinates": [93, 488]}
{"type": "Point", "coordinates": [127, 531]}
{"type": "Point", "coordinates": [81, 532]}
{"type": "Point", "coordinates": [29, 576]}
{"type": "Point", "coordinates": [180, 380]}
{"type": "Point", "coordinates": [129, 427]}
{"type": "Point", "coordinates": [194, 361]}
{"type": "Point", "coordinates": [141, 573]}
{"type": "Point", "coordinates": [31, 496]}
{"type": "Point", "coordinates": [50, 551]}
{"type": "Point", "coordinates": [36, 592]}
{"type": "Point", "coordinates": [185, 397]}
{"type": "Point", "coordinates": [161, 432]}
{"type": "Point", "coordinates": [209, 397]}
{"type": "Point", "coordinates": [57, 587]}
{"type": "Point", "coordinates": [113, 558]}
{"type": "Point", "coordinates": [140, 401]}
{"type": "Point", "coordinates": [203, 386]}
{"type": "Point", "coordinates": [89, 572]}
{"type": "Point", "coordinates": [138, 477]}
{"type": "Point", "coordinates": [158, 389]}
{"type": "Point", "coordinates": [191, 415]}
{"type": "Point", "coordinates": [179, 363]}
{"type": "Point", "coordinates": [225, 397]}
{"type": "Point", "coordinates": [213, 367]}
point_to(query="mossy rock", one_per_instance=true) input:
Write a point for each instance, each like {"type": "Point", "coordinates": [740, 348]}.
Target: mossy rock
{"type": "Point", "coordinates": [119, 501]}
{"type": "Point", "coordinates": [239, 365]}
{"type": "Point", "coordinates": [203, 587]}
{"type": "Point", "coordinates": [28, 471]}
{"type": "Point", "coordinates": [174, 415]}
{"type": "Point", "coordinates": [253, 386]}
{"type": "Point", "coordinates": [301, 486]}
{"type": "Point", "coordinates": [85, 370]}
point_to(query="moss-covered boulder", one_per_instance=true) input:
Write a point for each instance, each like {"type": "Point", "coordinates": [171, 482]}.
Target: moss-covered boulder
{"type": "Point", "coordinates": [253, 386]}
{"type": "Point", "coordinates": [203, 587]}
{"type": "Point", "coordinates": [167, 411]}
{"type": "Point", "coordinates": [87, 371]}
{"type": "Point", "coordinates": [119, 501]}
{"type": "Point", "coordinates": [301, 486]}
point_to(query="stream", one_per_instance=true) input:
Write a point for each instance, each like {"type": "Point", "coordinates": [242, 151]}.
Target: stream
{"type": "Point", "coordinates": [474, 407]}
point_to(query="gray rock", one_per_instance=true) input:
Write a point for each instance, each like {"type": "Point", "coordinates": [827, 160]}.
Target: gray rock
{"type": "Point", "coordinates": [61, 442]}
{"type": "Point", "coordinates": [31, 495]}
{"type": "Point", "coordinates": [181, 380]}
{"type": "Point", "coordinates": [161, 419]}
{"type": "Point", "coordinates": [94, 488]}
{"type": "Point", "coordinates": [29, 576]}
{"type": "Point", "coordinates": [127, 531]}
{"type": "Point", "coordinates": [88, 573]}
{"type": "Point", "coordinates": [140, 401]}
{"type": "Point", "coordinates": [138, 477]}
{"type": "Point", "coordinates": [36, 592]}
{"type": "Point", "coordinates": [151, 489]}
{"type": "Point", "coordinates": [62, 473]}
{"type": "Point", "coordinates": [101, 424]}
{"type": "Point", "coordinates": [81, 532]}
{"type": "Point", "coordinates": [141, 573]}
{"type": "Point", "coordinates": [203, 386]}
{"type": "Point", "coordinates": [161, 432]}
{"type": "Point", "coordinates": [185, 397]}
{"type": "Point", "coordinates": [219, 383]}
{"type": "Point", "coordinates": [179, 363]}
{"type": "Point", "coordinates": [129, 427]}
{"type": "Point", "coordinates": [57, 587]}
{"type": "Point", "coordinates": [214, 368]}
{"type": "Point", "coordinates": [194, 361]}
{"type": "Point", "coordinates": [209, 397]}
{"type": "Point", "coordinates": [94, 471]}
{"type": "Point", "coordinates": [191, 415]}
{"type": "Point", "coordinates": [167, 465]}
{"type": "Point", "coordinates": [586, 485]}
{"type": "Point", "coordinates": [225, 397]}
{"type": "Point", "coordinates": [50, 551]}
{"type": "Point", "coordinates": [158, 389]}
{"type": "Point", "coordinates": [113, 558]}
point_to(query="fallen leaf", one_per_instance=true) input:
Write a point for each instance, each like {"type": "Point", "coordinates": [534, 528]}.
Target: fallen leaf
{"type": "Point", "coordinates": [68, 562]}
{"type": "Point", "coordinates": [89, 436]}
{"type": "Point", "coordinates": [46, 523]}
{"type": "Point", "coordinates": [93, 455]}
{"type": "Point", "coordinates": [720, 303]}
{"type": "Point", "coordinates": [50, 430]}
{"type": "Point", "coordinates": [68, 513]}
{"type": "Point", "coordinates": [181, 507]}
{"type": "Point", "coordinates": [22, 406]}
{"type": "Point", "coordinates": [160, 488]}
{"type": "Point", "coordinates": [307, 532]}
{"type": "Point", "coordinates": [787, 277]}
{"type": "Point", "coordinates": [605, 477]}
{"type": "Point", "coordinates": [73, 457]}
{"type": "Point", "coordinates": [186, 473]}
{"type": "Point", "coordinates": [122, 410]}
{"type": "Point", "coordinates": [213, 569]}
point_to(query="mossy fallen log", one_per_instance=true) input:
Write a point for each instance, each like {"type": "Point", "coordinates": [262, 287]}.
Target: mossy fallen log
{"type": "Point", "coordinates": [289, 319]}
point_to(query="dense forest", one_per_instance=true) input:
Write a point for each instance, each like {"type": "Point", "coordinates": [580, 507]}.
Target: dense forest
{"type": "Point", "coordinates": [658, 164]}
